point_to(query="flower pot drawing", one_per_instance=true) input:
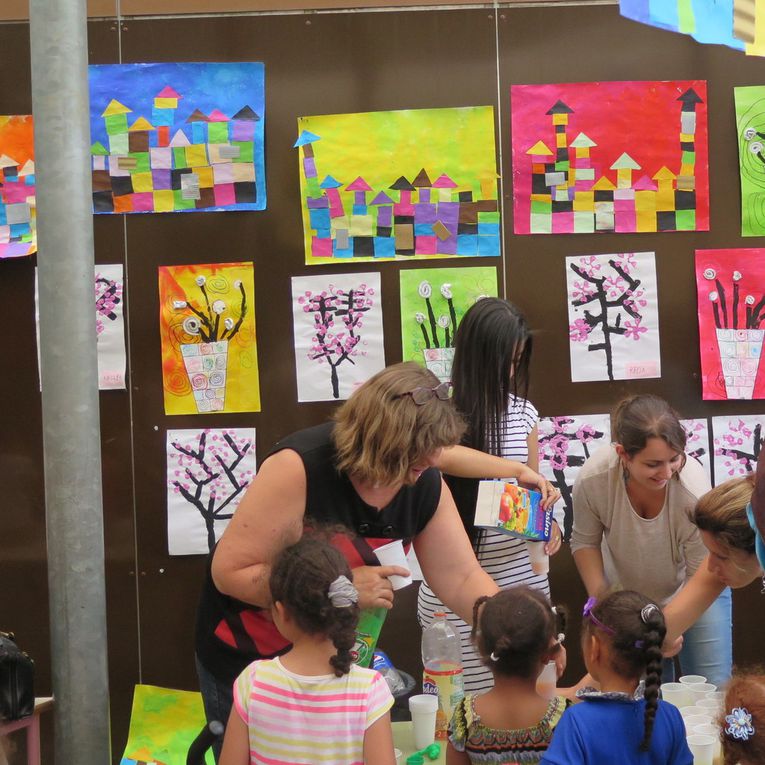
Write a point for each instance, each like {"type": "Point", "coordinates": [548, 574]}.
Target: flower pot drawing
{"type": "Point", "coordinates": [206, 368]}
{"type": "Point", "coordinates": [740, 352]}
{"type": "Point", "coordinates": [439, 362]}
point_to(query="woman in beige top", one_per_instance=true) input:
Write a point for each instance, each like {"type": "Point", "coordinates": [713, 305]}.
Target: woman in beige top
{"type": "Point", "coordinates": [632, 528]}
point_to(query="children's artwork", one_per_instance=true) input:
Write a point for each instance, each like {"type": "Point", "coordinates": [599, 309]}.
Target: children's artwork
{"type": "Point", "coordinates": [399, 185]}
{"type": "Point", "coordinates": [613, 316]}
{"type": "Point", "coordinates": [610, 156]}
{"type": "Point", "coordinates": [207, 328]}
{"type": "Point", "coordinates": [750, 126]}
{"type": "Point", "coordinates": [177, 137]}
{"type": "Point", "coordinates": [207, 474]}
{"type": "Point", "coordinates": [565, 443]}
{"type": "Point", "coordinates": [697, 443]}
{"type": "Point", "coordinates": [738, 440]}
{"type": "Point", "coordinates": [731, 307]}
{"type": "Point", "coordinates": [338, 333]}
{"type": "Point", "coordinates": [707, 21]}
{"type": "Point", "coordinates": [18, 235]}
{"type": "Point", "coordinates": [163, 723]}
{"type": "Point", "coordinates": [433, 301]}
{"type": "Point", "coordinates": [110, 326]}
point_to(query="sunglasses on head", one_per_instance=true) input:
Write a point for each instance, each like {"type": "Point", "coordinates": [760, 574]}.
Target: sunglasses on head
{"type": "Point", "coordinates": [420, 396]}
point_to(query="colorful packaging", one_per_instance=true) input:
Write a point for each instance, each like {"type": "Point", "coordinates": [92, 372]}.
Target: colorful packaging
{"type": "Point", "coordinates": [444, 681]}
{"type": "Point", "coordinates": [512, 510]}
{"type": "Point", "coordinates": [367, 633]}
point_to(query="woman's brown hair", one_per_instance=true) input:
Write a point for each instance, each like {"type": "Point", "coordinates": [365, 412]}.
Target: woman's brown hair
{"type": "Point", "coordinates": [638, 418]}
{"type": "Point", "coordinates": [722, 512]}
{"type": "Point", "coordinates": [380, 433]}
{"type": "Point", "coordinates": [745, 692]}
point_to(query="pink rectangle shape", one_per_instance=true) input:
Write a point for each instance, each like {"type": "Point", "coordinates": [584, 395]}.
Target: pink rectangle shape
{"type": "Point", "coordinates": [143, 201]}
{"type": "Point", "coordinates": [625, 222]}
{"type": "Point", "coordinates": [636, 369]}
{"type": "Point", "coordinates": [425, 245]}
{"type": "Point", "coordinates": [224, 194]}
{"type": "Point", "coordinates": [321, 248]}
{"type": "Point", "coordinates": [563, 223]}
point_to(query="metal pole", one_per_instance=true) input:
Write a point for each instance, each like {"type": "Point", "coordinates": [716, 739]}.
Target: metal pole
{"type": "Point", "coordinates": [71, 434]}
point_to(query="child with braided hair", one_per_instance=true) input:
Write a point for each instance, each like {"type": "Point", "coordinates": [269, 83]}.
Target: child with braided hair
{"type": "Point", "coordinates": [311, 704]}
{"type": "Point", "coordinates": [621, 643]}
{"type": "Point", "coordinates": [516, 632]}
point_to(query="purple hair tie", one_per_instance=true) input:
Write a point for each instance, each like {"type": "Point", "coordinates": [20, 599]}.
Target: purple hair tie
{"type": "Point", "coordinates": [587, 614]}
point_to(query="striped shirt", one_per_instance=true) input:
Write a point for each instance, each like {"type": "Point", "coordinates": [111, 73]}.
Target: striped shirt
{"type": "Point", "coordinates": [504, 558]}
{"type": "Point", "coordinates": [299, 720]}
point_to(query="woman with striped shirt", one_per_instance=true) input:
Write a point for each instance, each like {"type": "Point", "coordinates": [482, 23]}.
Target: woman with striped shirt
{"type": "Point", "coordinates": [490, 375]}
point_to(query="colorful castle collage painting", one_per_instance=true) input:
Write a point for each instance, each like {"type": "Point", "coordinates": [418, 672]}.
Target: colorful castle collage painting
{"type": "Point", "coordinates": [17, 187]}
{"type": "Point", "coordinates": [399, 185]}
{"type": "Point", "coordinates": [610, 156]}
{"type": "Point", "coordinates": [177, 137]}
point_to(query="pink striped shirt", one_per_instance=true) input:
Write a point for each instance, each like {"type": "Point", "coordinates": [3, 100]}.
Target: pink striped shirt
{"type": "Point", "coordinates": [312, 720]}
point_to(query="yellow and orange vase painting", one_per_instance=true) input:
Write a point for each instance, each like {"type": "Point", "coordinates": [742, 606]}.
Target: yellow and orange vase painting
{"type": "Point", "coordinates": [207, 328]}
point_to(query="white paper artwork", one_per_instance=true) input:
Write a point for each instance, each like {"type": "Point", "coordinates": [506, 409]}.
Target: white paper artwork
{"type": "Point", "coordinates": [697, 445]}
{"type": "Point", "coordinates": [613, 316]}
{"type": "Point", "coordinates": [207, 473]}
{"type": "Point", "coordinates": [110, 325]}
{"type": "Point", "coordinates": [338, 333]}
{"type": "Point", "coordinates": [737, 443]}
{"type": "Point", "coordinates": [564, 445]}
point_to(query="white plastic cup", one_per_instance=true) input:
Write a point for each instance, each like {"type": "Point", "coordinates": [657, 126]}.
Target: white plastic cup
{"type": "Point", "coordinates": [423, 708]}
{"type": "Point", "coordinates": [692, 721]}
{"type": "Point", "coordinates": [710, 729]}
{"type": "Point", "coordinates": [713, 705]}
{"type": "Point", "coordinates": [398, 754]}
{"type": "Point", "coordinates": [547, 681]}
{"type": "Point", "coordinates": [393, 554]}
{"type": "Point", "coordinates": [702, 748]}
{"type": "Point", "coordinates": [699, 691]}
{"type": "Point", "coordinates": [540, 560]}
{"type": "Point", "coordinates": [692, 679]}
{"type": "Point", "coordinates": [677, 694]}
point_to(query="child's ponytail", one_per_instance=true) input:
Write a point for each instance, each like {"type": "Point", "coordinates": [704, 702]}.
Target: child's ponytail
{"type": "Point", "coordinates": [636, 629]}
{"type": "Point", "coordinates": [312, 580]}
{"type": "Point", "coordinates": [652, 641]}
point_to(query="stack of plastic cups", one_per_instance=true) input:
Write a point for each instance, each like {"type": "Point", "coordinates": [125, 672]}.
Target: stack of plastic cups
{"type": "Point", "coordinates": [677, 694]}
{"type": "Point", "coordinates": [702, 748]}
{"type": "Point", "coordinates": [710, 729]}
{"type": "Point", "coordinates": [700, 690]}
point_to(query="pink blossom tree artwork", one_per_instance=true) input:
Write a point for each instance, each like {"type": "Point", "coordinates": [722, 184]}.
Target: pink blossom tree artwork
{"type": "Point", "coordinates": [565, 443]}
{"type": "Point", "coordinates": [697, 443]}
{"type": "Point", "coordinates": [737, 443]}
{"type": "Point", "coordinates": [207, 473]}
{"type": "Point", "coordinates": [338, 333]}
{"type": "Point", "coordinates": [613, 316]}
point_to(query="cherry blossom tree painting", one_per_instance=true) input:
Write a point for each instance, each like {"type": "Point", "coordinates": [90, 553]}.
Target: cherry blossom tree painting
{"type": "Point", "coordinates": [108, 285]}
{"type": "Point", "coordinates": [737, 442]}
{"type": "Point", "coordinates": [613, 316]}
{"type": "Point", "coordinates": [207, 473]}
{"type": "Point", "coordinates": [564, 445]}
{"type": "Point", "coordinates": [697, 444]}
{"type": "Point", "coordinates": [338, 333]}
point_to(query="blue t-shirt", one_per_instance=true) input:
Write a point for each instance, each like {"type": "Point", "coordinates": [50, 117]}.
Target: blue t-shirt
{"type": "Point", "coordinates": [599, 731]}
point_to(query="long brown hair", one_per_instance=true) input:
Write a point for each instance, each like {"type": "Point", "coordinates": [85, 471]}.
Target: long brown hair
{"type": "Point", "coordinates": [722, 512]}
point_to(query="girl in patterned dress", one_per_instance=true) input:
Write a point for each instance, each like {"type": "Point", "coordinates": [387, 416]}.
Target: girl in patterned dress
{"type": "Point", "coordinates": [311, 706]}
{"type": "Point", "coordinates": [517, 633]}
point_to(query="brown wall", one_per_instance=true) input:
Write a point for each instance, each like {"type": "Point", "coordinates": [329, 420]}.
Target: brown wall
{"type": "Point", "coordinates": [321, 64]}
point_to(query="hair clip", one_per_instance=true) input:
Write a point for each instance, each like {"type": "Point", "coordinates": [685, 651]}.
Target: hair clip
{"type": "Point", "coordinates": [554, 610]}
{"type": "Point", "coordinates": [342, 593]}
{"type": "Point", "coordinates": [647, 610]}
{"type": "Point", "coordinates": [739, 724]}
{"type": "Point", "coordinates": [561, 638]}
{"type": "Point", "coordinates": [587, 614]}
{"type": "Point", "coordinates": [494, 656]}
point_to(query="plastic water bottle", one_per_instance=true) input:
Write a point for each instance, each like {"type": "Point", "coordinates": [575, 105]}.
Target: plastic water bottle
{"type": "Point", "coordinates": [442, 669]}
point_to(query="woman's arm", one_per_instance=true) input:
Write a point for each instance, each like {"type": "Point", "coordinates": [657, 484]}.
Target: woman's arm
{"type": "Point", "coordinates": [699, 592]}
{"type": "Point", "coordinates": [236, 744]}
{"type": "Point", "coordinates": [448, 561]}
{"type": "Point", "coordinates": [268, 519]}
{"type": "Point", "coordinates": [464, 462]}
{"type": "Point", "coordinates": [586, 539]}
{"type": "Point", "coordinates": [378, 742]}
{"type": "Point", "coordinates": [589, 563]}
